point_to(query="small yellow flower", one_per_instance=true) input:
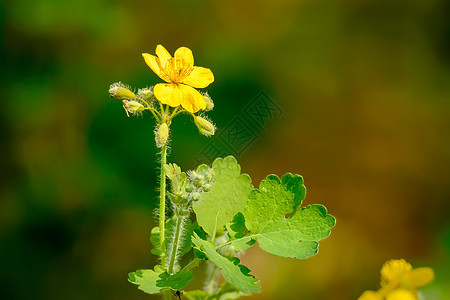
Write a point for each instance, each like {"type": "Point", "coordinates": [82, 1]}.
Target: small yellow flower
{"type": "Point", "coordinates": [401, 294]}
{"type": "Point", "coordinates": [399, 281]}
{"type": "Point", "coordinates": [370, 295]}
{"type": "Point", "coordinates": [182, 78]}
{"type": "Point", "coordinates": [393, 270]}
{"type": "Point", "coordinates": [399, 273]}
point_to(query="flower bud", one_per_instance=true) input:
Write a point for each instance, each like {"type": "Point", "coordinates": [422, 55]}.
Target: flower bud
{"type": "Point", "coordinates": [204, 126]}
{"type": "Point", "coordinates": [146, 94]}
{"type": "Point", "coordinates": [120, 91]}
{"type": "Point", "coordinates": [161, 135]}
{"type": "Point", "coordinates": [133, 106]}
{"type": "Point", "coordinates": [207, 187]}
{"type": "Point", "coordinates": [196, 196]}
{"type": "Point", "coordinates": [209, 176]}
{"type": "Point", "coordinates": [209, 102]}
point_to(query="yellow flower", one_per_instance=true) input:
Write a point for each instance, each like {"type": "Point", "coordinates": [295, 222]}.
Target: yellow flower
{"type": "Point", "coordinates": [181, 76]}
{"type": "Point", "coordinates": [370, 295]}
{"type": "Point", "coordinates": [397, 273]}
{"type": "Point", "coordinates": [401, 294]}
{"type": "Point", "coordinates": [399, 281]}
{"type": "Point", "coordinates": [393, 270]}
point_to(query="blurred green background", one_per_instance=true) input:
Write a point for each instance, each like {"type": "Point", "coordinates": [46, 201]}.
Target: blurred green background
{"type": "Point", "coordinates": [365, 90]}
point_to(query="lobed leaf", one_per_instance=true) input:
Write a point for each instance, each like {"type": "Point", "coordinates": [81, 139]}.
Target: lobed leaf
{"type": "Point", "coordinates": [145, 280]}
{"type": "Point", "coordinates": [273, 219]}
{"type": "Point", "coordinates": [178, 179]}
{"type": "Point", "coordinates": [227, 197]}
{"type": "Point", "coordinates": [175, 281]}
{"type": "Point", "coordinates": [233, 272]}
{"type": "Point", "coordinates": [154, 281]}
{"type": "Point", "coordinates": [236, 230]}
{"type": "Point", "coordinates": [179, 182]}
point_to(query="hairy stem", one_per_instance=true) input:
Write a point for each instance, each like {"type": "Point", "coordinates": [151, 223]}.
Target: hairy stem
{"type": "Point", "coordinates": [162, 206]}
{"type": "Point", "coordinates": [211, 282]}
{"type": "Point", "coordinates": [161, 107]}
{"type": "Point", "coordinates": [175, 245]}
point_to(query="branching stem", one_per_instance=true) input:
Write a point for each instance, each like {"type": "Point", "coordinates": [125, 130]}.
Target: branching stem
{"type": "Point", "coordinates": [154, 112]}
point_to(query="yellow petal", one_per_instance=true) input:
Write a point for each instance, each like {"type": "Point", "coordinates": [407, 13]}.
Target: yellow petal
{"type": "Point", "coordinates": [420, 277]}
{"type": "Point", "coordinates": [192, 100]}
{"type": "Point", "coordinates": [370, 295]}
{"type": "Point", "coordinates": [154, 64]}
{"type": "Point", "coordinates": [163, 55]}
{"type": "Point", "coordinates": [185, 54]}
{"type": "Point", "coordinates": [199, 78]}
{"type": "Point", "coordinates": [401, 295]}
{"type": "Point", "coordinates": [168, 93]}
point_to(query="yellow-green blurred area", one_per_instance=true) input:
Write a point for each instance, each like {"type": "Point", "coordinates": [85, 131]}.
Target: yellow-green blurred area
{"type": "Point", "coordinates": [364, 86]}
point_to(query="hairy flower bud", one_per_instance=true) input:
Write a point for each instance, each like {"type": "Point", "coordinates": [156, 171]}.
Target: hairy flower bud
{"type": "Point", "coordinates": [120, 91]}
{"type": "Point", "coordinates": [209, 102]}
{"type": "Point", "coordinates": [146, 94]}
{"type": "Point", "coordinates": [207, 187]}
{"type": "Point", "coordinates": [161, 135]}
{"type": "Point", "coordinates": [133, 106]}
{"type": "Point", "coordinates": [196, 196]}
{"type": "Point", "coordinates": [204, 126]}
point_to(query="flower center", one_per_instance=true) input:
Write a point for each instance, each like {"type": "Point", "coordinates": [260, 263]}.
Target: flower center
{"type": "Point", "coordinates": [177, 69]}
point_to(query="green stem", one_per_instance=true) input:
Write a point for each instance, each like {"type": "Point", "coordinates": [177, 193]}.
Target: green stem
{"type": "Point", "coordinates": [153, 111]}
{"type": "Point", "coordinates": [173, 254]}
{"type": "Point", "coordinates": [175, 112]}
{"type": "Point", "coordinates": [162, 206]}
{"type": "Point", "coordinates": [161, 107]}
{"type": "Point", "coordinates": [211, 281]}
{"type": "Point", "coordinates": [167, 295]}
{"type": "Point", "coordinates": [166, 112]}
{"type": "Point", "coordinates": [223, 245]}
{"type": "Point", "coordinates": [196, 261]}
{"type": "Point", "coordinates": [192, 264]}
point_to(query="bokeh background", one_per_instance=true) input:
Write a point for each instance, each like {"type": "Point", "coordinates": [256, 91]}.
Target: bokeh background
{"type": "Point", "coordinates": [364, 86]}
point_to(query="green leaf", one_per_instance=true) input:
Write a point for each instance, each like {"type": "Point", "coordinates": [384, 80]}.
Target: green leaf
{"type": "Point", "coordinates": [236, 230]}
{"type": "Point", "coordinates": [146, 280]}
{"type": "Point", "coordinates": [175, 281]}
{"type": "Point", "coordinates": [177, 178]}
{"type": "Point", "coordinates": [154, 239]}
{"type": "Point", "coordinates": [227, 197]}
{"type": "Point", "coordinates": [154, 281]}
{"type": "Point", "coordinates": [178, 182]}
{"type": "Point", "coordinates": [230, 270]}
{"type": "Point", "coordinates": [201, 234]}
{"type": "Point", "coordinates": [265, 218]}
